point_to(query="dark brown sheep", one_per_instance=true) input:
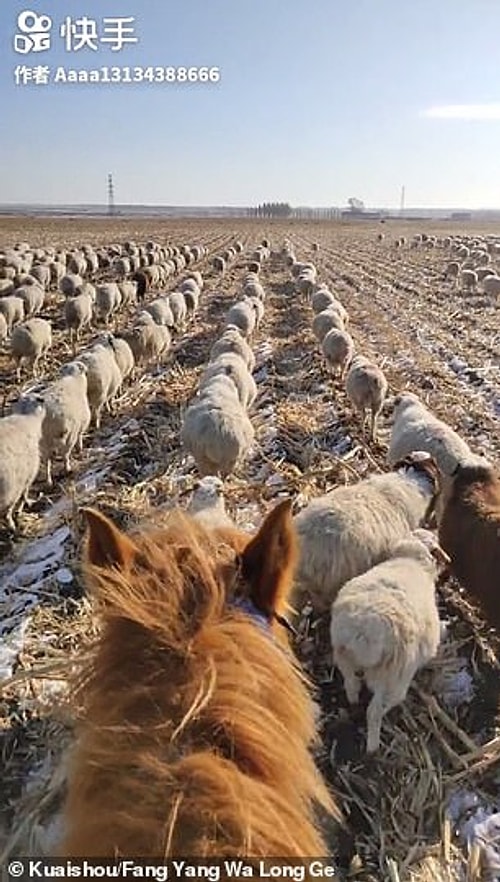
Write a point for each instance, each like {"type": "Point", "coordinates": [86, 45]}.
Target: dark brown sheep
{"type": "Point", "coordinates": [469, 531]}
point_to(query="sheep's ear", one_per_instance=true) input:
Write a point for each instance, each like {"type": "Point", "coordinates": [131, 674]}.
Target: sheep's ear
{"type": "Point", "coordinates": [107, 545]}
{"type": "Point", "coordinates": [269, 559]}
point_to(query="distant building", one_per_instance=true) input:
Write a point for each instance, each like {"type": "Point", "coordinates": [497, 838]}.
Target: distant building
{"type": "Point", "coordinates": [461, 215]}
{"type": "Point", "coordinates": [357, 214]}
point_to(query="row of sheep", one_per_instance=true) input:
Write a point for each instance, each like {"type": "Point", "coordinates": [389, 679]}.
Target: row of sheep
{"type": "Point", "coordinates": [31, 340]}
{"type": "Point", "coordinates": [23, 296]}
{"type": "Point", "coordinates": [365, 382]}
{"type": "Point", "coordinates": [262, 253]}
{"type": "Point", "coordinates": [97, 375]}
{"type": "Point", "coordinates": [473, 270]}
{"type": "Point", "coordinates": [366, 557]}
{"type": "Point", "coordinates": [216, 429]}
{"type": "Point", "coordinates": [471, 264]}
{"type": "Point", "coordinates": [52, 419]}
{"type": "Point", "coordinates": [48, 266]}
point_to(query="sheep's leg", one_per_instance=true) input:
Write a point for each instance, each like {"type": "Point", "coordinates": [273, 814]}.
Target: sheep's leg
{"type": "Point", "coordinates": [67, 462]}
{"type": "Point", "coordinates": [25, 500]}
{"type": "Point", "coordinates": [49, 471]}
{"type": "Point", "coordinates": [9, 519]}
{"type": "Point", "coordinates": [373, 426]}
{"type": "Point", "coordinates": [352, 683]}
{"type": "Point", "coordinates": [374, 715]}
{"type": "Point", "coordinates": [395, 692]}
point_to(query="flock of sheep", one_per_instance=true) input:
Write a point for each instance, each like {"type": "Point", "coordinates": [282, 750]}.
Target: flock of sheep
{"type": "Point", "coordinates": [472, 266]}
{"type": "Point", "coordinates": [368, 553]}
{"type": "Point", "coordinates": [51, 421]}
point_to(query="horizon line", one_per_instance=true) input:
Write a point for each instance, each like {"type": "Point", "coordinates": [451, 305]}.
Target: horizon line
{"type": "Point", "coordinates": [238, 207]}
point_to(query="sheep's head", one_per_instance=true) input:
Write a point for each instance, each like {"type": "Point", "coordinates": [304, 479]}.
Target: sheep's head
{"type": "Point", "coordinates": [419, 462]}
{"type": "Point", "coordinates": [395, 405]}
{"type": "Point", "coordinates": [431, 543]}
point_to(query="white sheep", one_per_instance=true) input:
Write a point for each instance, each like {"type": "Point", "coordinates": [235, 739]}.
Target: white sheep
{"type": "Point", "coordinates": [67, 416]}
{"type": "Point", "coordinates": [123, 355]}
{"type": "Point", "coordinates": [148, 340]}
{"type": "Point", "coordinates": [258, 308]}
{"type": "Point", "coordinates": [352, 528]}
{"type": "Point", "coordinates": [219, 264]}
{"type": "Point", "coordinates": [491, 285]}
{"type": "Point", "coordinates": [69, 284]}
{"type": "Point", "coordinates": [338, 349]}
{"type": "Point", "coordinates": [33, 297]}
{"type": "Point", "coordinates": [161, 312]}
{"type": "Point", "coordinates": [304, 283]}
{"type": "Point", "coordinates": [178, 307]}
{"type": "Point", "coordinates": [192, 298]}
{"type": "Point", "coordinates": [243, 316]}
{"type": "Point", "coordinates": [197, 277]}
{"type": "Point", "coordinates": [207, 503]}
{"type": "Point", "coordinates": [327, 320]}
{"type": "Point", "coordinates": [385, 626]}
{"type": "Point", "coordinates": [20, 436]}
{"type": "Point", "coordinates": [128, 292]}
{"type": "Point", "coordinates": [77, 315]}
{"type": "Point", "coordinates": [103, 379]}
{"type": "Point", "coordinates": [233, 341]}
{"type": "Point", "coordinates": [57, 273]}
{"type": "Point", "coordinates": [366, 387]}
{"type": "Point", "coordinates": [468, 280]}
{"type": "Point", "coordinates": [41, 272]}
{"type": "Point", "coordinates": [108, 300]}
{"type": "Point", "coordinates": [76, 264]}
{"type": "Point", "coordinates": [233, 366]}
{"type": "Point", "coordinates": [321, 299]}
{"type": "Point", "coordinates": [12, 308]}
{"type": "Point", "coordinates": [253, 288]}
{"type": "Point", "coordinates": [30, 342]}
{"type": "Point", "coordinates": [217, 431]}
{"type": "Point", "coordinates": [415, 427]}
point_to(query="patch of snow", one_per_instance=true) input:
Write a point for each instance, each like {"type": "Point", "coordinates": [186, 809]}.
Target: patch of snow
{"type": "Point", "coordinates": [64, 576]}
{"type": "Point", "coordinates": [455, 687]}
{"type": "Point", "coordinates": [10, 647]}
{"type": "Point", "coordinates": [477, 823]}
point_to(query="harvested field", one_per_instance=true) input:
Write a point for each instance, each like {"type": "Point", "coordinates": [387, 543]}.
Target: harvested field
{"type": "Point", "coordinates": [410, 808]}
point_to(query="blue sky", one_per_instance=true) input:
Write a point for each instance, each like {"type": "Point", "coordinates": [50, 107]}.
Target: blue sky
{"type": "Point", "coordinates": [318, 100]}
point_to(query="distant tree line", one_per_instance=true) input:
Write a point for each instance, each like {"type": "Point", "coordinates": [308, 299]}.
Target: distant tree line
{"type": "Point", "coordinates": [273, 209]}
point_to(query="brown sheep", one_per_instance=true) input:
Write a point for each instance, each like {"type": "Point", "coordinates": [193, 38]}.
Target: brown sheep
{"type": "Point", "coordinates": [469, 531]}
